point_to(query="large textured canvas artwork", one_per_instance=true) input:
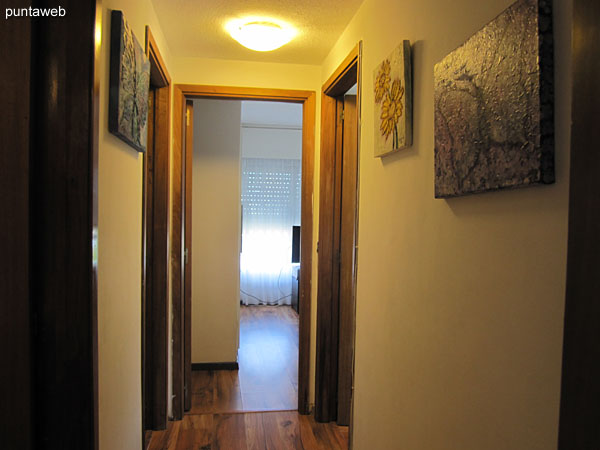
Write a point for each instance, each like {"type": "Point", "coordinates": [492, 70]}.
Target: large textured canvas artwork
{"type": "Point", "coordinates": [494, 105]}
{"type": "Point", "coordinates": [129, 83]}
{"type": "Point", "coordinates": [393, 101]}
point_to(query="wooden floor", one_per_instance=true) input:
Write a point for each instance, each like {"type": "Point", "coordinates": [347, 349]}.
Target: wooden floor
{"type": "Point", "coordinates": [268, 376]}
{"type": "Point", "coordinates": [268, 358]}
{"type": "Point", "coordinates": [255, 407]}
{"type": "Point", "coordinates": [285, 430]}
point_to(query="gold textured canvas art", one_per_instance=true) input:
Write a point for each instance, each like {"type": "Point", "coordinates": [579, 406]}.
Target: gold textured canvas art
{"type": "Point", "coordinates": [393, 101]}
{"type": "Point", "coordinates": [494, 105]}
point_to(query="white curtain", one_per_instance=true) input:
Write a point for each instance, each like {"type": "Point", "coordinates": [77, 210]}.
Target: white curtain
{"type": "Point", "coordinates": [271, 206]}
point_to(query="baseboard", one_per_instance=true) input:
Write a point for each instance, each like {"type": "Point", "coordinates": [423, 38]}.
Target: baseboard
{"type": "Point", "coordinates": [216, 366]}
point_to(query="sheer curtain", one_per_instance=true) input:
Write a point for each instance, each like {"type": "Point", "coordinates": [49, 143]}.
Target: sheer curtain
{"type": "Point", "coordinates": [270, 207]}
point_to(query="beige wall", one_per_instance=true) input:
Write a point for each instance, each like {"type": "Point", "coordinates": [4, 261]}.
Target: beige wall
{"type": "Point", "coordinates": [460, 302]}
{"type": "Point", "coordinates": [119, 255]}
{"type": "Point", "coordinates": [271, 143]}
{"type": "Point", "coordinates": [216, 231]}
{"type": "Point", "coordinates": [224, 72]}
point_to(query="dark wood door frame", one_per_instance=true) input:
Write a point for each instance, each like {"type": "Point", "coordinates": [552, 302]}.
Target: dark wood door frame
{"type": "Point", "coordinates": [186, 187]}
{"type": "Point", "coordinates": [155, 245]}
{"type": "Point", "coordinates": [63, 203]}
{"type": "Point", "coordinates": [308, 99]}
{"type": "Point", "coordinates": [335, 315]}
{"type": "Point", "coordinates": [48, 193]}
{"type": "Point", "coordinates": [181, 282]}
{"type": "Point", "coordinates": [16, 328]}
{"type": "Point", "coordinates": [580, 395]}
{"type": "Point", "coordinates": [347, 242]}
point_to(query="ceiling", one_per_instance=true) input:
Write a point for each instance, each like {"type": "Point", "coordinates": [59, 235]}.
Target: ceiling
{"type": "Point", "coordinates": [195, 28]}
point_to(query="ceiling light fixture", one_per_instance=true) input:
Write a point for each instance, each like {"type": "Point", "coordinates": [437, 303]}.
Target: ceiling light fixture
{"type": "Point", "coordinates": [262, 35]}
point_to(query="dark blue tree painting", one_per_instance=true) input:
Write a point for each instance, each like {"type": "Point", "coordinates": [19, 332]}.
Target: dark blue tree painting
{"type": "Point", "coordinates": [129, 83]}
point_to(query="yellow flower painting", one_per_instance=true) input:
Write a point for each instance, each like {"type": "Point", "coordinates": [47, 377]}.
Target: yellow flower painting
{"type": "Point", "coordinates": [382, 81]}
{"type": "Point", "coordinates": [393, 102]}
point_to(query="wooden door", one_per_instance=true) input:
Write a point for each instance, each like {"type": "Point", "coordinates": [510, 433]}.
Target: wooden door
{"type": "Point", "coordinates": [337, 243]}
{"type": "Point", "coordinates": [347, 244]}
{"type": "Point", "coordinates": [147, 262]}
{"type": "Point", "coordinates": [187, 244]}
{"type": "Point", "coordinates": [328, 253]}
{"type": "Point", "coordinates": [155, 269]}
{"type": "Point", "coordinates": [155, 245]}
{"type": "Point", "coordinates": [181, 254]}
{"type": "Point", "coordinates": [580, 396]}
{"type": "Point", "coordinates": [15, 309]}
{"type": "Point", "coordinates": [60, 246]}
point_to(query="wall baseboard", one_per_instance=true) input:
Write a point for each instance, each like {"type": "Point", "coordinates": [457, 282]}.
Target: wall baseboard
{"type": "Point", "coordinates": [216, 366]}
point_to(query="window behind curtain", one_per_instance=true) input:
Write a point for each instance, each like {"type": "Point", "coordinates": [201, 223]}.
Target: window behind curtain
{"type": "Point", "coordinates": [271, 193]}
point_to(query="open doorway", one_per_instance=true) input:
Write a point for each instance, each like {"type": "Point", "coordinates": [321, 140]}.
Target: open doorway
{"type": "Point", "coordinates": [271, 174]}
{"type": "Point", "coordinates": [246, 194]}
{"type": "Point", "coordinates": [184, 255]}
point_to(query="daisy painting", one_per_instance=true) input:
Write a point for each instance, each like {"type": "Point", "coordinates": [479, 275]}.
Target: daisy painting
{"type": "Point", "coordinates": [393, 102]}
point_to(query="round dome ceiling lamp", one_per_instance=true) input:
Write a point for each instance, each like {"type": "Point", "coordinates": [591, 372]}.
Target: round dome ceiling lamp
{"type": "Point", "coordinates": [261, 35]}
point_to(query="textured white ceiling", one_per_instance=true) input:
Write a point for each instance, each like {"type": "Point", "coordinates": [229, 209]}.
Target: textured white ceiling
{"type": "Point", "coordinates": [195, 28]}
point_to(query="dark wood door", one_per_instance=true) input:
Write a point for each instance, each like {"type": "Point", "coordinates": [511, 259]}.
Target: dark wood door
{"type": "Point", "coordinates": [580, 396]}
{"type": "Point", "coordinates": [181, 253]}
{"type": "Point", "coordinates": [155, 270]}
{"type": "Point", "coordinates": [15, 309]}
{"type": "Point", "coordinates": [337, 241]}
{"type": "Point", "coordinates": [147, 263]}
{"type": "Point", "coordinates": [62, 238]}
{"type": "Point", "coordinates": [155, 245]}
{"type": "Point", "coordinates": [328, 251]}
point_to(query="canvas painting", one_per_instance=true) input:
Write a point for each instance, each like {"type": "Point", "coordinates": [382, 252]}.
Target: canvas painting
{"type": "Point", "coordinates": [494, 105]}
{"type": "Point", "coordinates": [129, 84]}
{"type": "Point", "coordinates": [393, 101]}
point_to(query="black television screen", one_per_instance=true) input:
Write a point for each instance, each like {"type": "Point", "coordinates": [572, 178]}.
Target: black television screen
{"type": "Point", "coordinates": [296, 244]}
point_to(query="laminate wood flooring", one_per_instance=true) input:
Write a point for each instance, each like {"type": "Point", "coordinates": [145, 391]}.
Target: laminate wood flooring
{"type": "Point", "coordinates": [284, 430]}
{"type": "Point", "coordinates": [224, 402]}
{"type": "Point", "coordinates": [267, 379]}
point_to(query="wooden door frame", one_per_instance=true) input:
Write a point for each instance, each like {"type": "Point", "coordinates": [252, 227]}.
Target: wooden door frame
{"type": "Point", "coordinates": [328, 312]}
{"type": "Point", "coordinates": [181, 264]}
{"type": "Point", "coordinates": [347, 242]}
{"type": "Point", "coordinates": [155, 247]}
{"type": "Point", "coordinates": [16, 327]}
{"type": "Point", "coordinates": [51, 70]}
{"type": "Point", "coordinates": [64, 202]}
{"type": "Point", "coordinates": [186, 235]}
{"type": "Point", "coordinates": [183, 92]}
{"type": "Point", "coordinates": [580, 390]}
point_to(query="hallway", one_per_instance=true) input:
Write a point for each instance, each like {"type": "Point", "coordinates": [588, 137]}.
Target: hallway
{"type": "Point", "coordinates": [256, 406]}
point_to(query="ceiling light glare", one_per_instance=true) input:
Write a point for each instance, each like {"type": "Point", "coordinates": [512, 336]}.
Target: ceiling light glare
{"type": "Point", "coordinates": [262, 35]}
